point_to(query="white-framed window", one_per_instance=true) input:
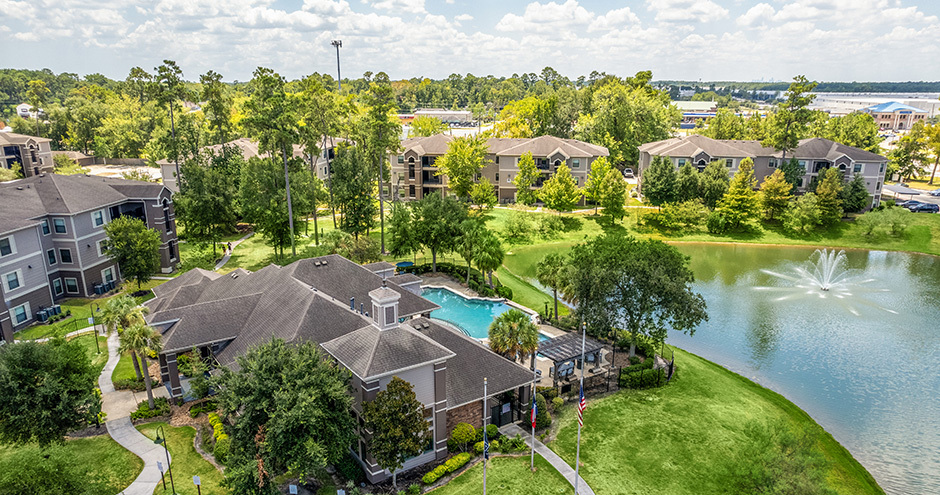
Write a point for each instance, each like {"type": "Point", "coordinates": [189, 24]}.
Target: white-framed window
{"type": "Point", "coordinates": [107, 275]}
{"type": "Point", "coordinates": [45, 227]}
{"type": "Point", "coordinates": [681, 162]}
{"type": "Point", "coordinates": [100, 247]}
{"type": "Point", "coordinates": [97, 218]}
{"type": "Point", "coordinates": [772, 163]}
{"type": "Point", "coordinates": [13, 280]}
{"type": "Point", "coordinates": [58, 225]}
{"type": "Point", "coordinates": [65, 255]}
{"type": "Point", "coordinates": [57, 286]}
{"type": "Point", "coordinates": [7, 246]}
{"type": "Point", "coordinates": [51, 255]}
{"type": "Point", "coordinates": [575, 163]}
{"type": "Point", "coordinates": [729, 162]}
{"type": "Point", "coordinates": [857, 168]}
{"type": "Point", "coordinates": [71, 285]}
{"type": "Point", "coordinates": [21, 314]}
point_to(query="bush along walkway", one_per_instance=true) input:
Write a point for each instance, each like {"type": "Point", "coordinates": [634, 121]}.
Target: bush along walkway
{"type": "Point", "coordinates": [118, 405]}
{"type": "Point", "coordinates": [561, 466]}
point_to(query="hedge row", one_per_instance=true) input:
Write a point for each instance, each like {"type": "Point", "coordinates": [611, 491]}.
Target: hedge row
{"type": "Point", "coordinates": [222, 441]}
{"type": "Point", "coordinates": [454, 463]}
{"type": "Point", "coordinates": [161, 408]}
{"type": "Point", "coordinates": [478, 281]}
{"type": "Point", "coordinates": [644, 378]}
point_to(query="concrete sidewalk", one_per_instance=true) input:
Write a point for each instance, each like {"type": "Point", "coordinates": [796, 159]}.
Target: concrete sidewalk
{"type": "Point", "coordinates": [228, 254]}
{"type": "Point", "coordinates": [561, 466]}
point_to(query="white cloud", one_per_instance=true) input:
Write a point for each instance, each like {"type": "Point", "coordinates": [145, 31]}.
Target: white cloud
{"type": "Point", "coordinates": [463, 17]}
{"type": "Point", "coordinates": [548, 17]}
{"type": "Point", "coordinates": [411, 6]}
{"type": "Point", "coordinates": [757, 14]}
{"type": "Point", "coordinates": [687, 10]}
{"type": "Point", "coordinates": [614, 19]}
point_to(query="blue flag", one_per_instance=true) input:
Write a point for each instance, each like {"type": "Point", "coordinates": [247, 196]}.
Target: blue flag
{"type": "Point", "coordinates": [486, 444]}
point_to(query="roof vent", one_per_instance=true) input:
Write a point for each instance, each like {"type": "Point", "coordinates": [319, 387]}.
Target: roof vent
{"type": "Point", "coordinates": [324, 263]}
{"type": "Point", "coordinates": [234, 276]}
{"type": "Point", "coordinates": [19, 188]}
{"type": "Point", "coordinates": [316, 264]}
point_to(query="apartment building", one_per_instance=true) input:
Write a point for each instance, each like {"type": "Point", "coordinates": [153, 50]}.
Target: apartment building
{"type": "Point", "coordinates": [371, 323]}
{"type": "Point", "coordinates": [814, 156]}
{"type": "Point", "coordinates": [414, 174]}
{"type": "Point", "coordinates": [33, 154]}
{"type": "Point", "coordinates": [51, 229]}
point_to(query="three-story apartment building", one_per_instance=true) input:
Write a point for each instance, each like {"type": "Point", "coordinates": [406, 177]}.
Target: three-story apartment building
{"type": "Point", "coordinates": [51, 230]}
{"type": "Point", "coordinates": [414, 173]}
{"type": "Point", "coordinates": [32, 154]}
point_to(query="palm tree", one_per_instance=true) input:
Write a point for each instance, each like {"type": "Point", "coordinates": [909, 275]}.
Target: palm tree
{"type": "Point", "coordinates": [490, 254]}
{"type": "Point", "coordinates": [550, 272]}
{"type": "Point", "coordinates": [120, 313]}
{"type": "Point", "coordinates": [141, 339]}
{"type": "Point", "coordinates": [513, 335]}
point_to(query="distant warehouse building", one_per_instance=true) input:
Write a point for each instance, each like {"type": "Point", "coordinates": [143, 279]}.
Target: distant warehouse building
{"type": "Point", "coordinates": [446, 116]}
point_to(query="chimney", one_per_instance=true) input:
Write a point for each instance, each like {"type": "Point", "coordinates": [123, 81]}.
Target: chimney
{"type": "Point", "coordinates": [384, 307]}
{"type": "Point", "coordinates": [352, 303]}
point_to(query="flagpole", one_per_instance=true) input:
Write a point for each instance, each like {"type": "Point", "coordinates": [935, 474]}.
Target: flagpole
{"type": "Point", "coordinates": [577, 455]}
{"type": "Point", "coordinates": [532, 409]}
{"type": "Point", "coordinates": [484, 436]}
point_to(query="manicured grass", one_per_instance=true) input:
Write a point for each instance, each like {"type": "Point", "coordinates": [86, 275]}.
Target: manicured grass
{"type": "Point", "coordinates": [124, 370]}
{"type": "Point", "coordinates": [110, 467]}
{"type": "Point", "coordinates": [98, 359]}
{"type": "Point", "coordinates": [509, 475]}
{"type": "Point", "coordinates": [684, 437]}
{"type": "Point", "coordinates": [922, 183]}
{"type": "Point", "coordinates": [186, 461]}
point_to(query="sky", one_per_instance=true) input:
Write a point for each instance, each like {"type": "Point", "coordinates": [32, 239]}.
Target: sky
{"type": "Point", "coordinates": [826, 40]}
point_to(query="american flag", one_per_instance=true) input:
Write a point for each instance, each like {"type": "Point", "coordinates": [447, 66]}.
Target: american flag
{"type": "Point", "coordinates": [582, 405]}
{"type": "Point", "coordinates": [534, 410]}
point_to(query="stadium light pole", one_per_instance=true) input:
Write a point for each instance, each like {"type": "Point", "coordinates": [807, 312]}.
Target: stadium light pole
{"type": "Point", "coordinates": [339, 79]}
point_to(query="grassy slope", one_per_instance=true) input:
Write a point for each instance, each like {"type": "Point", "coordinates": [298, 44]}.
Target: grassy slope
{"type": "Point", "coordinates": [680, 438]}
{"type": "Point", "coordinates": [105, 460]}
{"type": "Point", "coordinates": [509, 475]}
{"type": "Point", "coordinates": [186, 461]}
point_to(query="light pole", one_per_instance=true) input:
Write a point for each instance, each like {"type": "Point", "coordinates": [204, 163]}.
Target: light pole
{"type": "Point", "coordinates": [162, 441]}
{"type": "Point", "coordinates": [339, 79]}
{"type": "Point", "coordinates": [94, 325]}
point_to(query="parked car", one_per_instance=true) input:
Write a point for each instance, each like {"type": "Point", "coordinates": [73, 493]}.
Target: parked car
{"type": "Point", "coordinates": [925, 208]}
{"type": "Point", "coordinates": [935, 192]}
{"type": "Point", "coordinates": [909, 203]}
{"type": "Point", "coordinates": [628, 173]}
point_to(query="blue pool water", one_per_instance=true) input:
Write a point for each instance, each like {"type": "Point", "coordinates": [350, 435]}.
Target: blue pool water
{"type": "Point", "coordinates": [473, 316]}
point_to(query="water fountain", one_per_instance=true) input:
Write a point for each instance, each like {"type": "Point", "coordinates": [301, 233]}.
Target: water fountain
{"type": "Point", "coordinates": [826, 277]}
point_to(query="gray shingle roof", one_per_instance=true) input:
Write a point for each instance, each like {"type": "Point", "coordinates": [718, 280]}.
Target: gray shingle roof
{"type": "Point", "coordinates": [13, 138]}
{"type": "Point", "coordinates": [538, 146]}
{"type": "Point", "coordinates": [371, 353]}
{"type": "Point", "coordinates": [811, 148]}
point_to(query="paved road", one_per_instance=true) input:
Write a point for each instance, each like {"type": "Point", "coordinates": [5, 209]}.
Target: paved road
{"type": "Point", "coordinates": [567, 471]}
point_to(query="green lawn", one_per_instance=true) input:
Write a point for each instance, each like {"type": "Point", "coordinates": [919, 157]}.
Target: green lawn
{"type": "Point", "coordinates": [509, 475]}
{"type": "Point", "coordinates": [186, 461]}
{"type": "Point", "coordinates": [98, 359]}
{"type": "Point", "coordinates": [110, 467]}
{"type": "Point", "coordinates": [681, 438]}
{"type": "Point", "coordinates": [922, 183]}
{"type": "Point", "coordinates": [124, 370]}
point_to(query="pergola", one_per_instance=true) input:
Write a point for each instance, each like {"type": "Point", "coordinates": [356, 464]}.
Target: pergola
{"type": "Point", "coordinates": [565, 353]}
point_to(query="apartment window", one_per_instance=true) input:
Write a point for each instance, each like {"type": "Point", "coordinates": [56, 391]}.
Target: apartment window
{"type": "Point", "coordinates": [100, 245]}
{"type": "Point", "coordinates": [171, 247]}
{"type": "Point", "coordinates": [729, 162]}
{"type": "Point", "coordinates": [51, 255]}
{"type": "Point", "coordinates": [12, 280]}
{"type": "Point", "coordinates": [98, 218]}
{"type": "Point", "coordinates": [497, 160]}
{"type": "Point", "coordinates": [401, 158]}
{"type": "Point", "coordinates": [576, 163]}
{"type": "Point", "coordinates": [57, 286]}
{"type": "Point", "coordinates": [772, 163]}
{"type": "Point", "coordinates": [107, 275]}
{"type": "Point", "coordinates": [65, 255]}
{"type": "Point", "coordinates": [878, 187]}
{"type": "Point", "coordinates": [21, 313]}
{"type": "Point", "coordinates": [59, 225]}
{"type": "Point", "coordinates": [681, 162]}
{"type": "Point", "coordinates": [166, 216]}
{"type": "Point", "coordinates": [411, 191]}
{"type": "Point", "coordinates": [497, 177]}
{"type": "Point", "coordinates": [857, 168]}
{"type": "Point", "coordinates": [881, 170]}
{"type": "Point", "coordinates": [7, 246]}
{"type": "Point", "coordinates": [71, 286]}
{"type": "Point", "coordinates": [45, 227]}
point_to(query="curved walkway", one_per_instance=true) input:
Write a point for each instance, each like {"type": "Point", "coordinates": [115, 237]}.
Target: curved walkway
{"type": "Point", "coordinates": [228, 254]}
{"type": "Point", "coordinates": [119, 404]}
{"type": "Point", "coordinates": [561, 466]}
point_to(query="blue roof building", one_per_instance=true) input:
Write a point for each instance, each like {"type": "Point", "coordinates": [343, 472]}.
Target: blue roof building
{"type": "Point", "coordinates": [895, 116]}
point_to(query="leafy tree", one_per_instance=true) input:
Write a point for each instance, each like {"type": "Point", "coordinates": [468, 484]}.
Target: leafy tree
{"type": "Point", "coordinates": [140, 340]}
{"type": "Point", "coordinates": [741, 203]}
{"type": "Point", "coordinates": [792, 173]}
{"type": "Point", "coordinates": [687, 183]}
{"type": "Point", "coordinates": [423, 126]}
{"type": "Point", "coordinates": [803, 215]}
{"type": "Point", "coordinates": [464, 159]}
{"type": "Point", "coordinates": [379, 135]}
{"type": "Point", "coordinates": [320, 115]}
{"type": "Point", "coordinates": [45, 390]}
{"type": "Point", "coordinates": [399, 430]}
{"type": "Point", "coordinates": [513, 335]}
{"type": "Point", "coordinates": [551, 271]}
{"type": "Point", "coordinates": [483, 194]}
{"type": "Point", "coordinates": [643, 287]}
{"type": "Point", "coordinates": [525, 179]}
{"type": "Point", "coordinates": [120, 313]}
{"type": "Point", "coordinates": [596, 183]}
{"type": "Point", "coordinates": [169, 88]}
{"type": "Point", "coordinates": [437, 224]}
{"type": "Point", "coordinates": [490, 254]}
{"type": "Point", "coordinates": [318, 195]}
{"type": "Point", "coordinates": [289, 410]}
{"type": "Point", "coordinates": [855, 195]}
{"type": "Point", "coordinates": [828, 195]}
{"type": "Point", "coordinates": [517, 227]}
{"type": "Point", "coordinates": [217, 106]}
{"type": "Point", "coordinates": [206, 203]}
{"type": "Point", "coordinates": [401, 229]}
{"type": "Point", "coordinates": [353, 189]}
{"type": "Point", "coordinates": [14, 172]}
{"type": "Point", "coordinates": [713, 183]}
{"type": "Point", "coordinates": [67, 166]}
{"type": "Point", "coordinates": [775, 194]}
{"type": "Point", "coordinates": [659, 181]}
{"type": "Point", "coordinates": [468, 244]}
{"type": "Point", "coordinates": [789, 122]}
{"type": "Point", "coordinates": [134, 247]}
{"type": "Point", "coordinates": [37, 95]}
{"type": "Point", "coordinates": [724, 125]}
{"type": "Point", "coordinates": [264, 202]}
{"type": "Point", "coordinates": [615, 195]}
{"type": "Point", "coordinates": [542, 418]}
{"type": "Point", "coordinates": [857, 129]}
{"type": "Point", "coordinates": [932, 142]}
{"type": "Point", "coordinates": [560, 192]}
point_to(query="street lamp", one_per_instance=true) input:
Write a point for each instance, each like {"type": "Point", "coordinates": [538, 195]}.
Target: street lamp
{"type": "Point", "coordinates": [94, 324]}
{"type": "Point", "coordinates": [339, 79]}
{"type": "Point", "coordinates": [162, 441]}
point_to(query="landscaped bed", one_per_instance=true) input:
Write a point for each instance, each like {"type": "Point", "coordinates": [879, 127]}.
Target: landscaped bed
{"type": "Point", "coordinates": [691, 436]}
{"type": "Point", "coordinates": [509, 475]}
{"type": "Point", "coordinates": [186, 461]}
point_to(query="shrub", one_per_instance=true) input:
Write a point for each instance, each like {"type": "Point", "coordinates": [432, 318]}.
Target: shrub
{"type": "Point", "coordinates": [161, 408]}
{"type": "Point", "coordinates": [414, 489]}
{"type": "Point", "coordinates": [184, 363]}
{"type": "Point", "coordinates": [456, 462]}
{"type": "Point", "coordinates": [548, 392]}
{"type": "Point", "coordinates": [716, 223]}
{"type": "Point", "coordinates": [550, 226]}
{"type": "Point", "coordinates": [557, 402]}
{"type": "Point", "coordinates": [434, 475]}
{"type": "Point", "coordinates": [504, 291]}
{"type": "Point", "coordinates": [634, 360]}
{"type": "Point", "coordinates": [131, 384]}
{"type": "Point", "coordinates": [463, 434]}
{"type": "Point", "coordinates": [542, 418]}
{"type": "Point", "coordinates": [517, 443]}
{"type": "Point", "coordinates": [517, 227]}
{"type": "Point", "coordinates": [349, 468]}
{"type": "Point", "coordinates": [222, 446]}
{"type": "Point", "coordinates": [644, 378]}
{"type": "Point", "coordinates": [492, 432]}
{"type": "Point", "coordinates": [205, 407]}
{"type": "Point", "coordinates": [478, 447]}
{"type": "Point", "coordinates": [494, 445]}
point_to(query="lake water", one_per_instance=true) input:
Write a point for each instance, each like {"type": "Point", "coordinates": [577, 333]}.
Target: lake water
{"type": "Point", "coordinates": [871, 380]}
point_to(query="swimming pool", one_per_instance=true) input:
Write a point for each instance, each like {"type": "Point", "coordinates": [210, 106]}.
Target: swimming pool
{"type": "Point", "coordinates": [473, 316]}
